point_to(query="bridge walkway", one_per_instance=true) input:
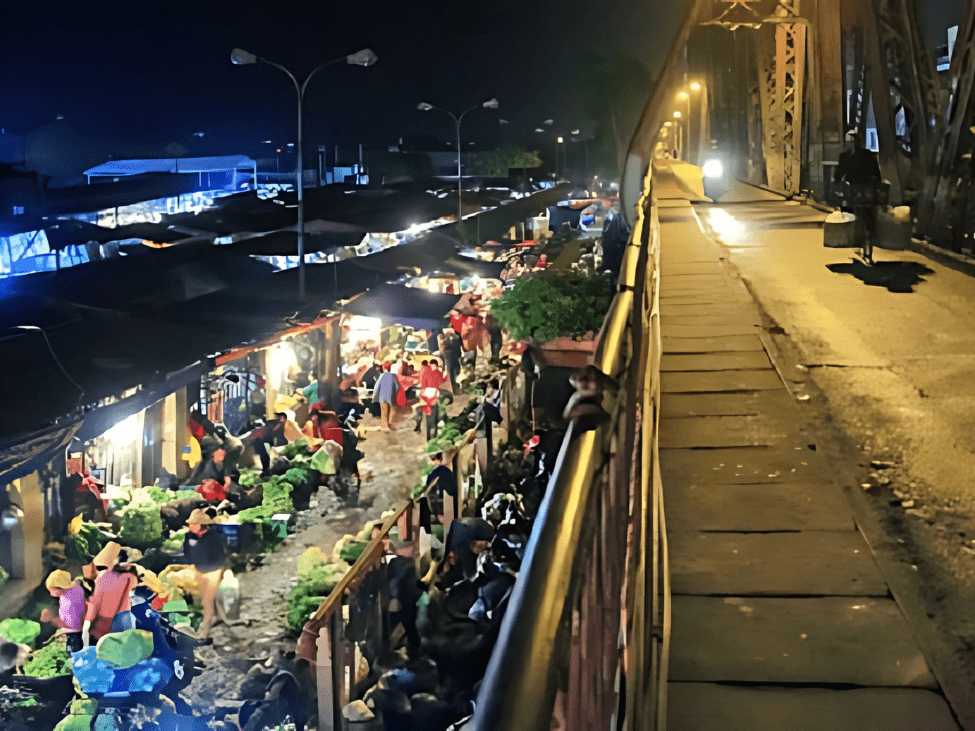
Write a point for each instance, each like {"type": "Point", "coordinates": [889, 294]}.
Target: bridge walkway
{"type": "Point", "coordinates": [781, 619]}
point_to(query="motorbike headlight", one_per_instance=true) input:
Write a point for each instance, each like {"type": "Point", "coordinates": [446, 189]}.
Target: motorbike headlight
{"type": "Point", "coordinates": [713, 169]}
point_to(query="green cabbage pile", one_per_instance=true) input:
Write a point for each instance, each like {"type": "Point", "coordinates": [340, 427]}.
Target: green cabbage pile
{"type": "Point", "coordinates": [51, 660]}
{"type": "Point", "coordinates": [303, 478]}
{"type": "Point", "coordinates": [83, 546]}
{"type": "Point", "coordinates": [21, 631]}
{"type": "Point", "coordinates": [277, 496]}
{"type": "Point", "coordinates": [160, 496]}
{"type": "Point", "coordinates": [141, 525]}
{"type": "Point", "coordinates": [249, 477]}
{"type": "Point", "coordinates": [314, 585]}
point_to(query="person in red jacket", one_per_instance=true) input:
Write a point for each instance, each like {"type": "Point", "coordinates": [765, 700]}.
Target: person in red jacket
{"type": "Point", "coordinates": [431, 381]}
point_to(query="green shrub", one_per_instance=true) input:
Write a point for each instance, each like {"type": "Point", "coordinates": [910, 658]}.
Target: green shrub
{"type": "Point", "coordinates": [4, 577]}
{"type": "Point", "coordinates": [549, 304]}
{"type": "Point", "coordinates": [52, 659]}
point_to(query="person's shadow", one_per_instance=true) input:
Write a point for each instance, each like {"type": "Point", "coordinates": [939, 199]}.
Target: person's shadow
{"type": "Point", "coordinates": [896, 276]}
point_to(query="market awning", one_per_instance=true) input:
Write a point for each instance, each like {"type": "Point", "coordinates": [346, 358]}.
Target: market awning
{"type": "Point", "coordinates": [396, 304]}
{"type": "Point", "coordinates": [100, 420]}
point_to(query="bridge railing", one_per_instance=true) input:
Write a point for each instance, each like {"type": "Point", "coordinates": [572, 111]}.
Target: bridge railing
{"type": "Point", "coordinates": [323, 640]}
{"type": "Point", "coordinates": [590, 612]}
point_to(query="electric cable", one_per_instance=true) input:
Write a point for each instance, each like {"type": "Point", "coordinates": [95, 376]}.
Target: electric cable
{"type": "Point", "coordinates": [50, 349]}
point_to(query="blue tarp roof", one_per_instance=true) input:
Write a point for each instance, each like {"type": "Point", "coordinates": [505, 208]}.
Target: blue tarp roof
{"type": "Point", "coordinates": [222, 163]}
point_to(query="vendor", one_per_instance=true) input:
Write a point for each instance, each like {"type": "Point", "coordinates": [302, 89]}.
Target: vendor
{"type": "Point", "coordinates": [215, 469]}
{"type": "Point", "coordinates": [371, 375]}
{"type": "Point", "coordinates": [205, 550]}
{"type": "Point", "coordinates": [108, 608]}
{"type": "Point", "coordinates": [71, 608]}
{"type": "Point", "coordinates": [495, 335]}
{"type": "Point", "coordinates": [319, 422]}
{"type": "Point", "coordinates": [441, 479]}
{"type": "Point", "coordinates": [270, 434]}
{"type": "Point", "coordinates": [310, 391]}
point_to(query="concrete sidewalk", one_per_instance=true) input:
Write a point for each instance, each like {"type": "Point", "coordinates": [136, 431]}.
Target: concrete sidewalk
{"type": "Point", "coordinates": [781, 619]}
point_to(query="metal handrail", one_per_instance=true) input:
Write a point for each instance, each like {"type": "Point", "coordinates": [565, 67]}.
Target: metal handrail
{"type": "Point", "coordinates": [520, 686]}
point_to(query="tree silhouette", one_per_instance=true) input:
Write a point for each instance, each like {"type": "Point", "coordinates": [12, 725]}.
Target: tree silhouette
{"type": "Point", "coordinates": [616, 92]}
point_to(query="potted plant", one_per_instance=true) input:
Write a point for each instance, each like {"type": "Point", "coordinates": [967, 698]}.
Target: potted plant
{"type": "Point", "coordinates": [560, 311]}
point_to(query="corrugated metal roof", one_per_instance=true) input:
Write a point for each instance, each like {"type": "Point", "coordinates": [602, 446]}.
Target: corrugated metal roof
{"type": "Point", "coordinates": [172, 165]}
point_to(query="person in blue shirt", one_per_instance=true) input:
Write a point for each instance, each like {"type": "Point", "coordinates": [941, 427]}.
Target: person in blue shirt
{"type": "Point", "coordinates": [385, 391]}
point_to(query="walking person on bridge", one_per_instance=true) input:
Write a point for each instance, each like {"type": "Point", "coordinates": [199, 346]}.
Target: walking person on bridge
{"type": "Point", "coordinates": [859, 169]}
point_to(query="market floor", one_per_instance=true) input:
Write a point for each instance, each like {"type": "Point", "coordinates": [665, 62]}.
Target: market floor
{"type": "Point", "coordinates": [391, 467]}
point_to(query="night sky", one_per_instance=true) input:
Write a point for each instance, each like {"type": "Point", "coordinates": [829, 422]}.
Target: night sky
{"type": "Point", "coordinates": [156, 73]}
{"type": "Point", "coordinates": [153, 73]}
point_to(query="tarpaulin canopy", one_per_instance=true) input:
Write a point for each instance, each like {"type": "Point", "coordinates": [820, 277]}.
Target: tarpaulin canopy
{"type": "Point", "coordinates": [72, 232]}
{"type": "Point", "coordinates": [285, 243]}
{"type": "Point", "coordinates": [396, 304]}
{"type": "Point", "coordinates": [221, 163]}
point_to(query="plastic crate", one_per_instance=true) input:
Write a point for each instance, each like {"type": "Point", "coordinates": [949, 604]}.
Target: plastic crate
{"type": "Point", "coordinates": [231, 534]}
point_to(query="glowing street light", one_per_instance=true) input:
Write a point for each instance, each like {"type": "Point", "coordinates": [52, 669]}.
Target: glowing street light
{"type": "Point", "coordinates": [677, 115]}
{"type": "Point", "coordinates": [683, 95]}
{"type": "Point", "coordinates": [695, 86]}
{"type": "Point", "coordinates": [426, 107]}
{"type": "Point", "coordinates": [365, 57]}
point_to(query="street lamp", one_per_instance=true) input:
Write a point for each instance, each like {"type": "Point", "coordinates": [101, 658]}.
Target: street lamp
{"type": "Point", "coordinates": [425, 107]}
{"type": "Point", "coordinates": [365, 57]}
{"type": "Point", "coordinates": [560, 141]}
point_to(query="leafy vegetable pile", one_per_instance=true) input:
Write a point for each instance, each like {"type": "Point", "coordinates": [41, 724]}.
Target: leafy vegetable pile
{"type": "Point", "coordinates": [303, 478]}
{"type": "Point", "coordinates": [316, 579]}
{"type": "Point", "coordinates": [52, 659]}
{"type": "Point", "coordinates": [84, 544]}
{"type": "Point", "coordinates": [141, 525]}
{"type": "Point", "coordinates": [249, 477]}
{"type": "Point", "coordinates": [159, 495]}
{"type": "Point", "coordinates": [174, 544]}
{"type": "Point", "coordinates": [352, 550]}
{"type": "Point", "coordinates": [21, 631]}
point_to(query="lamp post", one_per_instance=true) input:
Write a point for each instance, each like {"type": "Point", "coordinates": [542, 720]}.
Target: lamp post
{"type": "Point", "coordinates": [365, 57]}
{"type": "Point", "coordinates": [425, 107]}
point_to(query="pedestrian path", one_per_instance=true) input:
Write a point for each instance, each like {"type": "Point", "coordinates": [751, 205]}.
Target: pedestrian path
{"type": "Point", "coordinates": [781, 619]}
